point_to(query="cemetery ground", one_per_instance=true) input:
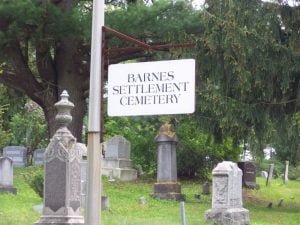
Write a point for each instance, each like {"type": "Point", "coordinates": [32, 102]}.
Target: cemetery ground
{"type": "Point", "coordinates": [125, 208]}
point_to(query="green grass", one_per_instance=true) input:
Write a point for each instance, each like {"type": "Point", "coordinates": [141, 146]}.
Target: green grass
{"type": "Point", "coordinates": [17, 209]}
{"type": "Point", "coordinates": [126, 210]}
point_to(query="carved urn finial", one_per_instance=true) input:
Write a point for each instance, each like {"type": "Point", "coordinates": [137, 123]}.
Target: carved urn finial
{"type": "Point", "coordinates": [64, 106]}
{"type": "Point", "coordinates": [167, 129]}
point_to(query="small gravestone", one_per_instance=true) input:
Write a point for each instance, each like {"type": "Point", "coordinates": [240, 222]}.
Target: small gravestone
{"type": "Point", "coordinates": [227, 204]}
{"type": "Point", "coordinates": [270, 174]}
{"type": "Point", "coordinates": [117, 162]}
{"type": "Point", "coordinates": [6, 176]}
{"type": "Point", "coordinates": [62, 203]}
{"type": "Point", "coordinates": [38, 156]}
{"type": "Point", "coordinates": [18, 154]}
{"type": "Point", "coordinates": [264, 174]}
{"type": "Point", "coordinates": [167, 186]}
{"type": "Point", "coordinates": [249, 174]}
{"type": "Point", "coordinates": [83, 171]}
{"type": "Point", "coordinates": [206, 188]}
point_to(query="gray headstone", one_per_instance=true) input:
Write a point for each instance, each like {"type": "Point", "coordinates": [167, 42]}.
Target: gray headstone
{"type": "Point", "coordinates": [227, 205]}
{"type": "Point", "coordinates": [38, 156]}
{"type": "Point", "coordinates": [117, 162]}
{"type": "Point", "coordinates": [270, 174]}
{"type": "Point", "coordinates": [206, 188]}
{"type": "Point", "coordinates": [117, 147]}
{"type": "Point", "coordinates": [62, 185]}
{"type": "Point", "coordinates": [6, 175]}
{"type": "Point", "coordinates": [249, 173]}
{"type": "Point", "coordinates": [18, 154]}
{"type": "Point", "coordinates": [167, 186]}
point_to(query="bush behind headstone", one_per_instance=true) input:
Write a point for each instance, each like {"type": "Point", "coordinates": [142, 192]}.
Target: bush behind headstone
{"type": "Point", "coordinates": [36, 181]}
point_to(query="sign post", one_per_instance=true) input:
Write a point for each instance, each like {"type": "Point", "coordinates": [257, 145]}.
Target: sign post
{"type": "Point", "coordinates": [93, 207]}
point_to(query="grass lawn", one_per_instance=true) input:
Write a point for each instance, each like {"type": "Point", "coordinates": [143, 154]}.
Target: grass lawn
{"type": "Point", "coordinates": [126, 210]}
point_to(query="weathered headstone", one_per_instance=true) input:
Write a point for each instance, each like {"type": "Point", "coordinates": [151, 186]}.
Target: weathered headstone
{"type": "Point", "coordinates": [227, 203]}
{"type": "Point", "coordinates": [249, 174]}
{"type": "Point", "coordinates": [270, 174]}
{"type": "Point", "coordinates": [206, 188]}
{"type": "Point", "coordinates": [18, 154]}
{"type": "Point", "coordinates": [38, 156]}
{"type": "Point", "coordinates": [167, 186]}
{"type": "Point", "coordinates": [83, 171]}
{"type": "Point", "coordinates": [264, 174]}
{"type": "Point", "coordinates": [6, 176]}
{"type": "Point", "coordinates": [62, 173]}
{"type": "Point", "coordinates": [117, 162]}
{"type": "Point", "coordinates": [286, 172]}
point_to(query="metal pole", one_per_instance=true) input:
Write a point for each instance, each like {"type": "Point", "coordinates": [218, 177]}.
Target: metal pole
{"type": "Point", "coordinates": [93, 208]}
{"type": "Point", "coordinates": [182, 212]}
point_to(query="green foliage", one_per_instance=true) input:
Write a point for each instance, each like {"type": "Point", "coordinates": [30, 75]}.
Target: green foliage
{"type": "Point", "coordinates": [38, 20]}
{"type": "Point", "coordinates": [13, 101]}
{"type": "Point", "coordinates": [294, 172]}
{"type": "Point", "coordinates": [35, 180]}
{"type": "Point", "coordinates": [4, 135]}
{"type": "Point", "coordinates": [140, 132]}
{"type": "Point", "coordinates": [198, 152]}
{"type": "Point", "coordinates": [29, 128]}
{"type": "Point", "coordinates": [279, 167]}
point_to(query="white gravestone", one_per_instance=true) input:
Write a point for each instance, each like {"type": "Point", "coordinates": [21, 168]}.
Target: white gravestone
{"type": "Point", "coordinates": [38, 156]}
{"type": "Point", "coordinates": [227, 204]}
{"type": "Point", "coordinates": [6, 176]}
{"type": "Point", "coordinates": [18, 154]}
{"type": "Point", "coordinates": [117, 162]}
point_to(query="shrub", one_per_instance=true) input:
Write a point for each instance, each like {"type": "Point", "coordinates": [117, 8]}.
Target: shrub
{"type": "Point", "coordinates": [294, 172]}
{"type": "Point", "coordinates": [36, 181]}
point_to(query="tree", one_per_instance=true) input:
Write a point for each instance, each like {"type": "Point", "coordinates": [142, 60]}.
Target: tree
{"type": "Point", "coordinates": [45, 47]}
{"type": "Point", "coordinates": [247, 53]}
{"type": "Point", "coordinates": [249, 71]}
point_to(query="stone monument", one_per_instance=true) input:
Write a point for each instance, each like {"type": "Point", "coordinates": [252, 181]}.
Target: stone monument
{"type": "Point", "coordinates": [62, 173]}
{"type": "Point", "coordinates": [6, 176]}
{"type": "Point", "coordinates": [227, 204]}
{"type": "Point", "coordinates": [167, 186]}
{"type": "Point", "coordinates": [117, 162]}
{"type": "Point", "coordinates": [38, 156]}
{"type": "Point", "coordinates": [18, 154]}
{"type": "Point", "coordinates": [249, 174]}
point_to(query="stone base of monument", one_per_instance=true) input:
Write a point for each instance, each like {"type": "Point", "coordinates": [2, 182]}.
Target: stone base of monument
{"type": "Point", "coordinates": [170, 191]}
{"type": "Point", "coordinates": [45, 220]}
{"type": "Point", "coordinates": [233, 216]}
{"type": "Point", "coordinates": [8, 189]}
{"type": "Point", "coordinates": [58, 218]}
{"type": "Point", "coordinates": [124, 174]}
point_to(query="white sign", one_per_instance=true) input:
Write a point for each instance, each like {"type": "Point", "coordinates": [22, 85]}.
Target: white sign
{"type": "Point", "coordinates": [151, 88]}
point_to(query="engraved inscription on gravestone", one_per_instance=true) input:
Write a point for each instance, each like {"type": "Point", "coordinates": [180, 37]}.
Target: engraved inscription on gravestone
{"type": "Point", "coordinates": [55, 184]}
